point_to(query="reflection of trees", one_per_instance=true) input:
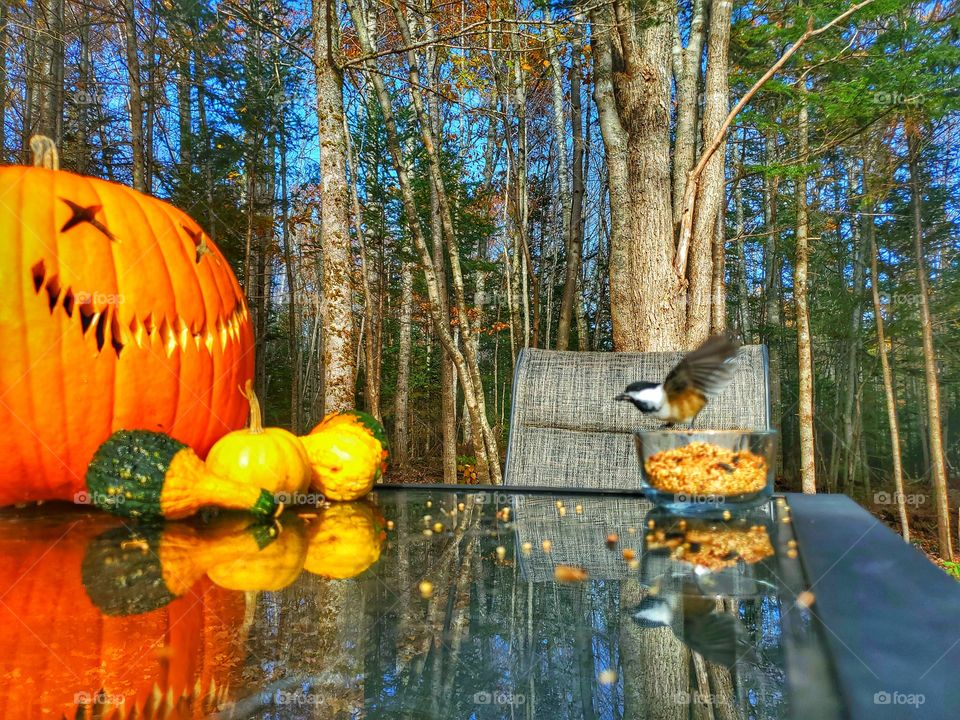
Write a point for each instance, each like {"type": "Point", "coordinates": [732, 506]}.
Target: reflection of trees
{"type": "Point", "coordinates": [656, 666]}
{"type": "Point", "coordinates": [372, 645]}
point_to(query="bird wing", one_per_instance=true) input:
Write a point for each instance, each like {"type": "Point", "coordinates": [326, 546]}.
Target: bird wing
{"type": "Point", "coordinates": [708, 369]}
{"type": "Point", "coordinates": [717, 637]}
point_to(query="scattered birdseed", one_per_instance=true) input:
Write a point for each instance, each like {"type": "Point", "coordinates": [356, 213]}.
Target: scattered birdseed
{"type": "Point", "coordinates": [426, 589]}
{"type": "Point", "coordinates": [791, 553]}
{"type": "Point", "coordinates": [427, 519]}
{"type": "Point", "coordinates": [547, 546]}
{"type": "Point", "coordinates": [612, 540]}
{"type": "Point", "coordinates": [805, 599]}
{"type": "Point", "coordinates": [559, 504]}
{"type": "Point", "coordinates": [562, 510]}
{"type": "Point", "coordinates": [628, 554]}
{"type": "Point", "coordinates": [390, 525]}
{"type": "Point", "coordinates": [607, 677]}
{"type": "Point", "coordinates": [527, 548]}
{"type": "Point", "coordinates": [438, 527]}
{"type": "Point", "coordinates": [633, 564]}
{"type": "Point", "coordinates": [791, 543]}
{"type": "Point", "coordinates": [142, 545]}
{"type": "Point", "coordinates": [501, 552]}
{"type": "Point", "coordinates": [428, 532]}
{"type": "Point", "coordinates": [727, 515]}
{"type": "Point", "coordinates": [429, 503]}
{"type": "Point", "coordinates": [569, 574]}
{"type": "Point", "coordinates": [579, 509]}
{"type": "Point", "coordinates": [460, 507]}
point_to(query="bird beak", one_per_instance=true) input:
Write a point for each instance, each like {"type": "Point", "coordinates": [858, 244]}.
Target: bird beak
{"type": "Point", "coordinates": [622, 396]}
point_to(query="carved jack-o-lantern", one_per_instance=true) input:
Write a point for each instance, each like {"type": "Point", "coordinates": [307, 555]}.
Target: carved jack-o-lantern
{"type": "Point", "coordinates": [117, 312]}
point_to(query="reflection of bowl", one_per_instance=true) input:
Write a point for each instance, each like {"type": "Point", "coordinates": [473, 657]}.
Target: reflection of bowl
{"type": "Point", "coordinates": [706, 471]}
{"type": "Point", "coordinates": [729, 557]}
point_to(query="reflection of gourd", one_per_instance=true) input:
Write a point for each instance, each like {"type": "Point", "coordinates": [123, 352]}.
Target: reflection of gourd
{"type": "Point", "coordinates": [270, 458]}
{"type": "Point", "coordinates": [118, 311]}
{"type": "Point", "coordinates": [60, 648]}
{"type": "Point", "coordinates": [129, 571]}
{"type": "Point", "coordinates": [344, 540]}
{"type": "Point", "coordinates": [273, 568]}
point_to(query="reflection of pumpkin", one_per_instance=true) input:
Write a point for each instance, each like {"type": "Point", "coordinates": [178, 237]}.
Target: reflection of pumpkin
{"type": "Point", "coordinates": [344, 540]}
{"type": "Point", "coordinates": [60, 649]}
{"type": "Point", "coordinates": [118, 312]}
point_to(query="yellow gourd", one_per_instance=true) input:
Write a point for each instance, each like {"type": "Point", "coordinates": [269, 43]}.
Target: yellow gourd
{"type": "Point", "coordinates": [270, 458]}
{"type": "Point", "coordinates": [344, 540]}
{"type": "Point", "coordinates": [345, 462]}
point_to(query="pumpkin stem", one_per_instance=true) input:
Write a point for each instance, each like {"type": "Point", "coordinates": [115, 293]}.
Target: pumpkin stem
{"type": "Point", "coordinates": [256, 417]}
{"type": "Point", "coordinates": [45, 153]}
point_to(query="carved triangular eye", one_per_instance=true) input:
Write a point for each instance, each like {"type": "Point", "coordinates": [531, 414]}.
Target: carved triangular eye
{"type": "Point", "coordinates": [86, 214]}
{"type": "Point", "coordinates": [199, 241]}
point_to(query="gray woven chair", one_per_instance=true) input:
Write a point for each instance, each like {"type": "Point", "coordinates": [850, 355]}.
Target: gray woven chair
{"type": "Point", "coordinates": [567, 432]}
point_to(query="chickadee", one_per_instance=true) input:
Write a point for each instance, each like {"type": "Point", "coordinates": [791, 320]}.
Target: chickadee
{"type": "Point", "coordinates": [693, 617]}
{"type": "Point", "coordinates": [701, 375]}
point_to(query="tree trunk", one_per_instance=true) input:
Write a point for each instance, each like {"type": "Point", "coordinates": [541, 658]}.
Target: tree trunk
{"type": "Point", "coordinates": [710, 190]}
{"type": "Point", "coordinates": [686, 72]}
{"type": "Point", "coordinates": [136, 95]}
{"type": "Point", "coordinates": [804, 343]}
{"type": "Point", "coordinates": [938, 461]}
{"type": "Point", "coordinates": [339, 370]}
{"type": "Point", "coordinates": [890, 392]}
{"type": "Point", "coordinates": [771, 289]}
{"type": "Point", "coordinates": [3, 83]}
{"type": "Point", "coordinates": [371, 358]}
{"type": "Point", "coordinates": [858, 241]}
{"type": "Point", "coordinates": [293, 329]}
{"type": "Point", "coordinates": [632, 94]}
{"type": "Point", "coordinates": [574, 227]}
{"type": "Point", "coordinates": [401, 401]}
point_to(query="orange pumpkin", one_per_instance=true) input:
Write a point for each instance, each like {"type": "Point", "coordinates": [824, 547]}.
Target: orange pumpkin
{"type": "Point", "coordinates": [62, 651]}
{"type": "Point", "coordinates": [118, 312]}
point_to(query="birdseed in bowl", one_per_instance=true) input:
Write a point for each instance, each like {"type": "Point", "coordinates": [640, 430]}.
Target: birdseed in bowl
{"type": "Point", "coordinates": [702, 468]}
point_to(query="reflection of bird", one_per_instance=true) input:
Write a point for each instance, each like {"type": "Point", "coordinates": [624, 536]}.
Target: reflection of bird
{"type": "Point", "coordinates": [699, 376]}
{"type": "Point", "coordinates": [693, 617]}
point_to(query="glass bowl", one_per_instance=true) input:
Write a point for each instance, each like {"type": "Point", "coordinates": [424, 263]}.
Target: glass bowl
{"type": "Point", "coordinates": [706, 471]}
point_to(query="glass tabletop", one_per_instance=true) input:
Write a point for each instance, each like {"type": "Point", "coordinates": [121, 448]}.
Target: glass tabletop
{"type": "Point", "coordinates": [418, 603]}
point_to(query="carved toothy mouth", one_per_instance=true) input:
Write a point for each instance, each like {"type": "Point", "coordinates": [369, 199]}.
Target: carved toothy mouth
{"type": "Point", "coordinates": [99, 313]}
